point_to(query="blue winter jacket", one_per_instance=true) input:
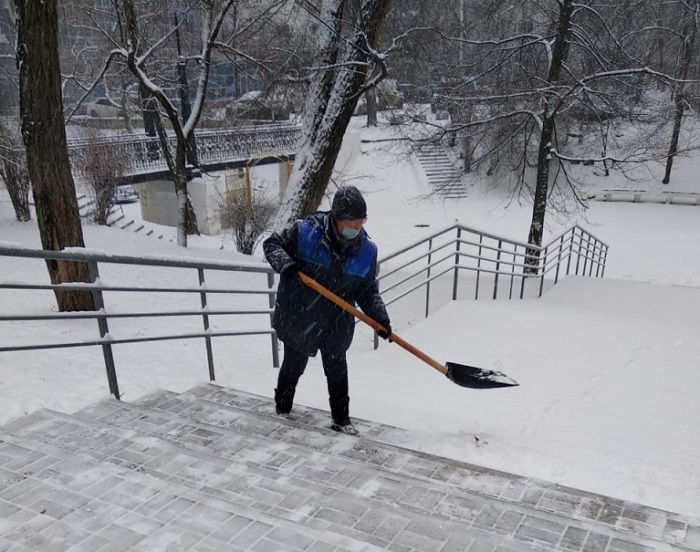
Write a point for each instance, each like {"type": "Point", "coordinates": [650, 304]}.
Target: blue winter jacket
{"type": "Point", "coordinates": [304, 319]}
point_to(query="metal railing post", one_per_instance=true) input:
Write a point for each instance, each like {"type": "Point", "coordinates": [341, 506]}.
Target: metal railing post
{"type": "Point", "coordinates": [578, 252]}
{"type": "Point", "coordinates": [427, 277]}
{"type": "Point", "coordinates": [571, 251]}
{"type": "Point", "coordinates": [605, 259]}
{"type": "Point", "coordinates": [94, 273]}
{"type": "Point", "coordinates": [205, 319]}
{"type": "Point", "coordinates": [455, 280]}
{"type": "Point", "coordinates": [478, 267]}
{"type": "Point", "coordinates": [498, 268]}
{"type": "Point", "coordinates": [273, 335]}
{"type": "Point", "coordinates": [589, 250]}
{"type": "Point", "coordinates": [512, 272]}
{"type": "Point", "coordinates": [561, 247]}
{"type": "Point", "coordinates": [543, 265]}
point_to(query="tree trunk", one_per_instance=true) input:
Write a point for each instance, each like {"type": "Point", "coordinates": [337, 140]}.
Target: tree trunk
{"type": "Point", "coordinates": [689, 33]}
{"type": "Point", "coordinates": [185, 106]}
{"type": "Point", "coordinates": [371, 98]}
{"type": "Point", "coordinates": [539, 208]}
{"type": "Point", "coordinates": [44, 134]}
{"type": "Point", "coordinates": [13, 171]}
{"type": "Point", "coordinates": [148, 106]}
{"type": "Point", "coordinates": [679, 111]}
{"type": "Point", "coordinates": [330, 103]}
{"type": "Point", "coordinates": [17, 184]}
{"type": "Point", "coordinates": [186, 218]}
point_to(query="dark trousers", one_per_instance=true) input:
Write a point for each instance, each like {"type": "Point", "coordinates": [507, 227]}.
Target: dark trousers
{"type": "Point", "coordinates": [336, 370]}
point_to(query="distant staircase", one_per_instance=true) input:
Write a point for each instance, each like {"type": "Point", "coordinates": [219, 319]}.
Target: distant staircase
{"type": "Point", "coordinates": [215, 469]}
{"type": "Point", "coordinates": [443, 177]}
{"type": "Point", "coordinates": [116, 218]}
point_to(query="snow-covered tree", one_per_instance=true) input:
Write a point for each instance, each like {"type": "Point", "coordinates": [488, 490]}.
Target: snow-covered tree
{"type": "Point", "coordinates": [686, 35]}
{"type": "Point", "coordinates": [44, 134]}
{"type": "Point", "coordinates": [136, 52]}
{"type": "Point", "coordinates": [167, 45]}
{"type": "Point", "coordinates": [536, 88]}
{"type": "Point", "coordinates": [13, 170]}
{"type": "Point", "coordinates": [348, 33]}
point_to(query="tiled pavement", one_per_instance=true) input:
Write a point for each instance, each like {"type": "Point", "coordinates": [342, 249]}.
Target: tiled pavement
{"type": "Point", "coordinates": [214, 470]}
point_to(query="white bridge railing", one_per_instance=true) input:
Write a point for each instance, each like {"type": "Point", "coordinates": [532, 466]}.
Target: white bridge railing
{"type": "Point", "coordinates": [141, 154]}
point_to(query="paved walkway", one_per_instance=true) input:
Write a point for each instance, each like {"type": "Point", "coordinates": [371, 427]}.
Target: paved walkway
{"type": "Point", "coordinates": [214, 470]}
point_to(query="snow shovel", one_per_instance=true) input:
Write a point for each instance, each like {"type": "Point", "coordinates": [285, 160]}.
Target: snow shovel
{"type": "Point", "coordinates": [461, 374]}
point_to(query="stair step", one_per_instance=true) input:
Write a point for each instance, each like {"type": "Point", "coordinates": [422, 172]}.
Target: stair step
{"type": "Point", "coordinates": [306, 479]}
{"type": "Point", "coordinates": [215, 469]}
{"type": "Point", "coordinates": [441, 173]}
{"type": "Point", "coordinates": [116, 220]}
{"type": "Point", "coordinates": [170, 502]}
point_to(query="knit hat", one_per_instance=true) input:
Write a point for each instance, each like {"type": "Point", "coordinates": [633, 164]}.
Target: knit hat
{"type": "Point", "coordinates": [348, 204]}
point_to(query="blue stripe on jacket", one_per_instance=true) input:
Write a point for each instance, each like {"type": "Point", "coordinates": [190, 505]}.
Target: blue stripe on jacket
{"type": "Point", "coordinates": [311, 249]}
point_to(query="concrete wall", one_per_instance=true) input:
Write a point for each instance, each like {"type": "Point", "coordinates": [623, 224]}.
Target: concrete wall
{"type": "Point", "coordinates": [159, 202]}
{"type": "Point", "coordinates": [205, 195]}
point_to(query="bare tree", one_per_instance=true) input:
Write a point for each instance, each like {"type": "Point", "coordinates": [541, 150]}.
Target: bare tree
{"type": "Point", "coordinates": [13, 170]}
{"type": "Point", "coordinates": [687, 38]}
{"type": "Point", "coordinates": [145, 38]}
{"type": "Point", "coordinates": [347, 41]}
{"type": "Point", "coordinates": [528, 77]}
{"type": "Point", "coordinates": [135, 53]}
{"type": "Point", "coordinates": [44, 135]}
{"type": "Point", "coordinates": [548, 122]}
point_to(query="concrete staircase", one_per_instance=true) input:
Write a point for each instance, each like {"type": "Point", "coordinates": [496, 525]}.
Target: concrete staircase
{"type": "Point", "coordinates": [213, 469]}
{"type": "Point", "coordinates": [116, 218]}
{"type": "Point", "coordinates": [443, 177]}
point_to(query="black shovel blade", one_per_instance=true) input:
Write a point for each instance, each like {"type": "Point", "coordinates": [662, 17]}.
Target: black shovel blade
{"type": "Point", "coordinates": [477, 378]}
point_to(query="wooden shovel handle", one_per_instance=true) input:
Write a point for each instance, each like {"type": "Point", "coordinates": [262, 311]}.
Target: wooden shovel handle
{"type": "Point", "coordinates": [342, 303]}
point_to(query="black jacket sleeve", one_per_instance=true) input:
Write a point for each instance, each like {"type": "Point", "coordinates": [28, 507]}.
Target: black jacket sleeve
{"type": "Point", "coordinates": [280, 248]}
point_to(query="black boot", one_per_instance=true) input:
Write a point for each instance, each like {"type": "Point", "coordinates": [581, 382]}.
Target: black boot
{"type": "Point", "coordinates": [346, 428]}
{"type": "Point", "coordinates": [283, 401]}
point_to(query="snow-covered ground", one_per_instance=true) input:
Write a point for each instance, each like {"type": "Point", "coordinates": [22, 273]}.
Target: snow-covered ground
{"type": "Point", "coordinates": [608, 400]}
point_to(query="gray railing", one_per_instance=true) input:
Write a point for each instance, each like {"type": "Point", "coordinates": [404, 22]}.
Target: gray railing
{"type": "Point", "coordinates": [141, 154]}
{"type": "Point", "coordinates": [117, 295]}
{"type": "Point", "coordinates": [461, 262]}
{"type": "Point", "coordinates": [457, 262]}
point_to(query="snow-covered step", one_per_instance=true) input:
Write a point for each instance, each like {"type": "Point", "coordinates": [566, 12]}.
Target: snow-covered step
{"type": "Point", "coordinates": [442, 175]}
{"type": "Point", "coordinates": [215, 468]}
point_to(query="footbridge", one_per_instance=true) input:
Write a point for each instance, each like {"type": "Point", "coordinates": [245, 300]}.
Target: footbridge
{"type": "Point", "coordinates": [220, 149]}
{"type": "Point", "coordinates": [227, 154]}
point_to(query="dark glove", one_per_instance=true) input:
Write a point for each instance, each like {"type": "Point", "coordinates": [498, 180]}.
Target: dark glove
{"type": "Point", "coordinates": [386, 334]}
{"type": "Point", "coordinates": [291, 270]}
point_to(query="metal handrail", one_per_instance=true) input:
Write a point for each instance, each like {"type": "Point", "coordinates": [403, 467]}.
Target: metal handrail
{"type": "Point", "coordinates": [101, 289]}
{"type": "Point", "coordinates": [420, 265]}
{"type": "Point", "coordinates": [491, 259]}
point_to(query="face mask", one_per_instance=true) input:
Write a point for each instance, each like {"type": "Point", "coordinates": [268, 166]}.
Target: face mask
{"type": "Point", "coordinates": [350, 233]}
